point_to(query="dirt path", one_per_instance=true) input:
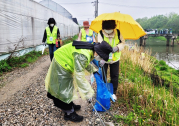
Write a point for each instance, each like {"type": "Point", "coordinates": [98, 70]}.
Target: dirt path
{"type": "Point", "coordinates": [23, 100]}
{"type": "Point", "coordinates": [19, 83]}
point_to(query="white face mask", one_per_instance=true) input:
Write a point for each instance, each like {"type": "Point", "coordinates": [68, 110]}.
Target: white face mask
{"type": "Point", "coordinates": [51, 25]}
{"type": "Point", "coordinates": [108, 31]}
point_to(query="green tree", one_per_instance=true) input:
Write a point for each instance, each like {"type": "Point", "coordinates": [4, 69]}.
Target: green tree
{"type": "Point", "coordinates": [161, 22]}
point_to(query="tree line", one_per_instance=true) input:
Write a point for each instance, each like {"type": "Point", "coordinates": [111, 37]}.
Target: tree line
{"type": "Point", "coordinates": [161, 22]}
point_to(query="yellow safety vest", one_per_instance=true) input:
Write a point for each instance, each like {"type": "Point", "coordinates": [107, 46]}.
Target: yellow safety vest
{"type": "Point", "coordinates": [83, 36]}
{"type": "Point", "coordinates": [115, 42]}
{"type": "Point", "coordinates": [51, 37]}
{"type": "Point", "coordinates": [64, 56]}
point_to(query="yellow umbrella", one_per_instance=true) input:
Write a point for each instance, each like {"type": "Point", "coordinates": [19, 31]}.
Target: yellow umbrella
{"type": "Point", "coordinates": [128, 27]}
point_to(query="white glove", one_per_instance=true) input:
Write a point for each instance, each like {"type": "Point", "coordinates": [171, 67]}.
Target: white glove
{"type": "Point", "coordinates": [114, 97]}
{"type": "Point", "coordinates": [101, 63]}
{"type": "Point", "coordinates": [115, 49]}
{"type": "Point", "coordinates": [43, 43]}
{"type": "Point", "coordinates": [121, 46]}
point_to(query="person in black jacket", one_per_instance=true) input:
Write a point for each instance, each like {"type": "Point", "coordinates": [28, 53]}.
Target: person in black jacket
{"type": "Point", "coordinates": [50, 35]}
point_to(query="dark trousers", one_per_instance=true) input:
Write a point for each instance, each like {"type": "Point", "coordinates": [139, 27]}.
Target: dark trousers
{"type": "Point", "coordinates": [60, 104]}
{"type": "Point", "coordinates": [52, 48]}
{"type": "Point", "coordinates": [114, 74]}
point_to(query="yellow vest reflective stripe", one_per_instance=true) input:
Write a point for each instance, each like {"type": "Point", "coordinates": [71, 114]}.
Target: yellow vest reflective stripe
{"type": "Point", "coordinates": [51, 36]}
{"type": "Point", "coordinates": [83, 32]}
{"type": "Point", "coordinates": [114, 43]}
{"type": "Point", "coordinates": [64, 56]}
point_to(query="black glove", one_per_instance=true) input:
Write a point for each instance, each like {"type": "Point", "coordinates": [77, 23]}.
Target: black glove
{"type": "Point", "coordinates": [96, 72]}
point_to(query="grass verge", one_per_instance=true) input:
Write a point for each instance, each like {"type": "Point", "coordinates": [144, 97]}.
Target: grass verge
{"type": "Point", "coordinates": [148, 104]}
{"type": "Point", "coordinates": [22, 61]}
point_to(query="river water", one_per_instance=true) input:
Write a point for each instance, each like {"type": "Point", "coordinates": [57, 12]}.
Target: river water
{"type": "Point", "coordinates": [162, 52]}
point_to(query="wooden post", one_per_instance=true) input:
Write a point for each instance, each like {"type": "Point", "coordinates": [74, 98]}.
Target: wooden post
{"type": "Point", "coordinates": [172, 42]}
{"type": "Point", "coordinates": [167, 50]}
{"type": "Point", "coordinates": [141, 41]}
{"type": "Point", "coordinates": [168, 37]}
{"type": "Point", "coordinates": [144, 42]}
{"type": "Point", "coordinates": [168, 41]}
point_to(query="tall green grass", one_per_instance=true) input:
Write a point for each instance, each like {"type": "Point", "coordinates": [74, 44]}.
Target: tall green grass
{"type": "Point", "coordinates": [147, 104]}
{"type": "Point", "coordinates": [169, 77]}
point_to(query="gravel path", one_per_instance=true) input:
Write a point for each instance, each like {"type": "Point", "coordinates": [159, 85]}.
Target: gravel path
{"type": "Point", "coordinates": [23, 100]}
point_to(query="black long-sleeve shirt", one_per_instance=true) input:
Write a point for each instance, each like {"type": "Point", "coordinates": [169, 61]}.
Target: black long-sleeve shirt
{"type": "Point", "coordinates": [45, 33]}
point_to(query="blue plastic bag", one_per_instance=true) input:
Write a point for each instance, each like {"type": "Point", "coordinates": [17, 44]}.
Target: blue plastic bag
{"type": "Point", "coordinates": [103, 95]}
{"type": "Point", "coordinates": [108, 85]}
{"type": "Point", "coordinates": [104, 90]}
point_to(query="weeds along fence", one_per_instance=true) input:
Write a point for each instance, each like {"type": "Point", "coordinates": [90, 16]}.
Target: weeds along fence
{"type": "Point", "coordinates": [27, 19]}
{"type": "Point", "coordinates": [143, 90]}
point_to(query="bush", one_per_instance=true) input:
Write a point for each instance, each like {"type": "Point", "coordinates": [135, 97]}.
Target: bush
{"type": "Point", "coordinates": [24, 65]}
{"type": "Point", "coordinates": [176, 72]}
{"type": "Point", "coordinates": [8, 65]}
{"type": "Point", "coordinates": [31, 59]}
{"type": "Point", "coordinates": [164, 68]}
{"type": "Point", "coordinates": [4, 66]}
{"type": "Point", "coordinates": [161, 62]}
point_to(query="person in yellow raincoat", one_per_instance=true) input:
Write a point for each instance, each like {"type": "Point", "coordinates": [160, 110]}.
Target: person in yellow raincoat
{"type": "Point", "coordinates": [66, 75]}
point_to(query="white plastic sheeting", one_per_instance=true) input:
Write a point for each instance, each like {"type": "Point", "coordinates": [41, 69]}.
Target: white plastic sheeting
{"type": "Point", "coordinates": [56, 7]}
{"type": "Point", "coordinates": [26, 20]}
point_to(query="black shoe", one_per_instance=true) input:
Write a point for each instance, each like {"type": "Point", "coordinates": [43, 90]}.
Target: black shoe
{"type": "Point", "coordinates": [76, 107]}
{"type": "Point", "coordinates": [73, 117]}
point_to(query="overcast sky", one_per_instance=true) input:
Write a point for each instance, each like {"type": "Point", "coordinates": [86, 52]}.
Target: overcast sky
{"type": "Point", "coordinates": [84, 9]}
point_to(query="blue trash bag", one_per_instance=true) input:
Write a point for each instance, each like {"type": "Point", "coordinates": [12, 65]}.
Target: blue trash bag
{"type": "Point", "coordinates": [95, 62]}
{"type": "Point", "coordinates": [108, 85]}
{"type": "Point", "coordinates": [103, 95]}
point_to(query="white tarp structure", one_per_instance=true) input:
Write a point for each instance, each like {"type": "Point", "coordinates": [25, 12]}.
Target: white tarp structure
{"type": "Point", "coordinates": [26, 20]}
{"type": "Point", "coordinates": [56, 7]}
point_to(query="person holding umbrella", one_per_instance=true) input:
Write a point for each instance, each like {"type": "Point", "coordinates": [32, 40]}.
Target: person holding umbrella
{"type": "Point", "coordinates": [112, 36]}
{"type": "Point", "coordinates": [66, 75]}
{"type": "Point", "coordinates": [114, 28]}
